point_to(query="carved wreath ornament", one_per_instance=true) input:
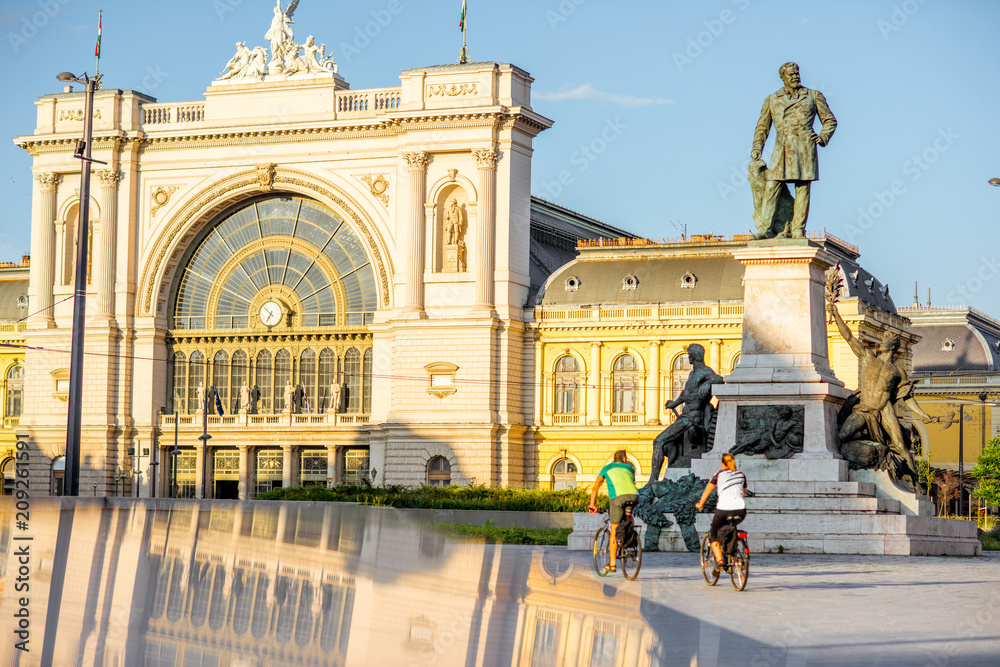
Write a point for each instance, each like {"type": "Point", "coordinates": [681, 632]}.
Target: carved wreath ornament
{"type": "Point", "coordinates": [452, 90]}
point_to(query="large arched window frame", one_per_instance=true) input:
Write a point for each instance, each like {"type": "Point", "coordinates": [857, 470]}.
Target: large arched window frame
{"type": "Point", "coordinates": [567, 386]}
{"type": "Point", "coordinates": [625, 385]}
{"type": "Point", "coordinates": [14, 389]}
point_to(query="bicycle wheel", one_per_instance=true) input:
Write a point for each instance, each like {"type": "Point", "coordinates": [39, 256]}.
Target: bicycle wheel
{"type": "Point", "coordinates": [602, 552]}
{"type": "Point", "coordinates": [632, 560]}
{"type": "Point", "coordinates": [708, 562]}
{"type": "Point", "coordinates": [740, 570]}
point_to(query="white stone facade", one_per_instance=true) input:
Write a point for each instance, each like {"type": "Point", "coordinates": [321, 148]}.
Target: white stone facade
{"type": "Point", "coordinates": [383, 162]}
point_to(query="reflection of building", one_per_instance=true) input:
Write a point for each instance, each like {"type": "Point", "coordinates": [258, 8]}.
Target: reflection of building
{"type": "Point", "coordinates": [956, 362]}
{"type": "Point", "coordinates": [611, 334]}
{"type": "Point", "coordinates": [13, 311]}
{"type": "Point", "coordinates": [304, 584]}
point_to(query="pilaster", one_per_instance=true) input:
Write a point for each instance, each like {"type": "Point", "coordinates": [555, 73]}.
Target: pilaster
{"type": "Point", "coordinates": [42, 254]}
{"type": "Point", "coordinates": [486, 160]}
{"type": "Point", "coordinates": [105, 260]}
{"type": "Point", "coordinates": [413, 294]}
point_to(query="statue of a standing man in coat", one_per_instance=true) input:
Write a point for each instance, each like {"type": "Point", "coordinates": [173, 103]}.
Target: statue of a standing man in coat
{"type": "Point", "coordinates": [792, 110]}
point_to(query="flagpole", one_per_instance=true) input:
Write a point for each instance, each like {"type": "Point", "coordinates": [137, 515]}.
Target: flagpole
{"type": "Point", "coordinates": [97, 51]}
{"type": "Point", "coordinates": [463, 56]}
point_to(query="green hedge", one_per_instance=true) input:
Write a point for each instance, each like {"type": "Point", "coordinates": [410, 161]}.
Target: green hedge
{"type": "Point", "coordinates": [513, 535]}
{"type": "Point", "coordinates": [446, 497]}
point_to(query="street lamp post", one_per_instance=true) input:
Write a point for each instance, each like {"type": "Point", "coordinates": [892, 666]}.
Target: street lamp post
{"type": "Point", "coordinates": [82, 153]}
{"type": "Point", "coordinates": [205, 437]}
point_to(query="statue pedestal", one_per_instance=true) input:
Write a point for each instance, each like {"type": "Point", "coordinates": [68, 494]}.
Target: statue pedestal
{"type": "Point", "coordinates": [454, 258]}
{"type": "Point", "coordinates": [783, 363]}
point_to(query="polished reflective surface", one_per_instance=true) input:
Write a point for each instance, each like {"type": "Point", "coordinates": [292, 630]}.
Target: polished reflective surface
{"type": "Point", "coordinates": [215, 583]}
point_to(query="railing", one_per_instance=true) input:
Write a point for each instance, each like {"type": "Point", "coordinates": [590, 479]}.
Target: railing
{"type": "Point", "coordinates": [701, 240]}
{"type": "Point", "coordinates": [637, 312]}
{"type": "Point", "coordinates": [627, 418]}
{"type": "Point", "coordinates": [360, 103]}
{"type": "Point", "coordinates": [240, 421]}
{"type": "Point", "coordinates": [163, 114]}
{"type": "Point", "coordinates": [567, 419]}
{"type": "Point", "coordinates": [11, 422]}
{"type": "Point", "coordinates": [13, 327]}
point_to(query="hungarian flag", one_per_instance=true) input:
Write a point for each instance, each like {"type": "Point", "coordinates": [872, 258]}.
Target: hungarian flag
{"type": "Point", "coordinates": [461, 24]}
{"type": "Point", "coordinates": [97, 49]}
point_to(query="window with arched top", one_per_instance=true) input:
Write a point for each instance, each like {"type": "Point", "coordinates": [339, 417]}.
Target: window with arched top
{"type": "Point", "coordinates": [196, 378]}
{"type": "Point", "coordinates": [178, 395]}
{"type": "Point", "coordinates": [679, 372]}
{"type": "Point", "coordinates": [366, 383]}
{"type": "Point", "coordinates": [439, 471]}
{"type": "Point", "coordinates": [308, 377]}
{"type": "Point", "coordinates": [625, 385]}
{"type": "Point", "coordinates": [327, 376]}
{"type": "Point", "coordinates": [238, 378]}
{"type": "Point", "coordinates": [567, 386]}
{"type": "Point", "coordinates": [15, 391]}
{"type": "Point", "coordinates": [352, 380]}
{"type": "Point", "coordinates": [220, 376]}
{"type": "Point", "coordinates": [263, 380]}
{"type": "Point", "coordinates": [282, 376]}
{"type": "Point", "coordinates": [564, 475]}
{"type": "Point", "coordinates": [736, 361]}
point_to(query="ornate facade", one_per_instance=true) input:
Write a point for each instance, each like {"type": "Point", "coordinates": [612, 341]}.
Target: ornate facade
{"type": "Point", "coordinates": [13, 309]}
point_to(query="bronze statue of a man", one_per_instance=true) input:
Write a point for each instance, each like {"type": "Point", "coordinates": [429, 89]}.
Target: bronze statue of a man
{"type": "Point", "coordinates": [792, 110]}
{"type": "Point", "coordinates": [882, 385]}
{"type": "Point", "coordinates": [696, 399]}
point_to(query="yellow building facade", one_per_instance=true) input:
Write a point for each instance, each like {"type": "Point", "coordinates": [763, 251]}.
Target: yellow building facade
{"type": "Point", "coordinates": [611, 331]}
{"type": "Point", "coordinates": [13, 310]}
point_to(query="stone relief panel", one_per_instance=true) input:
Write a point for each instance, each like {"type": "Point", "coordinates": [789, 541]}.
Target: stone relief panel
{"type": "Point", "coordinates": [776, 431]}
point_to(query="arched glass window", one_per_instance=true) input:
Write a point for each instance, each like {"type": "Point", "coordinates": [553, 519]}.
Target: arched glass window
{"type": "Point", "coordinates": [282, 376]}
{"type": "Point", "coordinates": [15, 391]}
{"type": "Point", "coordinates": [736, 361]}
{"type": "Point", "coordinates": [243, 586]}
{"type": "Point", "coordinates": [625, 385]}
{"type": "Point", "coordinates": [196, 378]}
{"type": "Point", "coordinates": [352, 380]}
{"type": "Point", "coordinates": [220, 377]}
{"type": "Point", "coordinates": [439, 471]}
{"type": "Point", "coordinates": [179, 393]}
{"type": "Point", "coordinates": [58, 475]}
{"type": "Point", "coordinates": [7, 473]}
{"type": "Point", "coordinates": [327, 376]}
{"type": "Point", "coordinates": [263, 380]}
{"type": "Point", "coordinates": [366, 378]}
{"type": "Point", "coordinates": [564, 475]}
{"type": "Point", "coordinates": [304, 619]}
{"type": "Point", "coordinates": [307, 376]}
{"type": "Point", "coordinates": [679, 372]}
{"type": "Point", "coordinates": [238, 377]}
{"type": "Point", "coordinates": [304, 249]}
{"type": "Point", "coordinates": [567, 386]}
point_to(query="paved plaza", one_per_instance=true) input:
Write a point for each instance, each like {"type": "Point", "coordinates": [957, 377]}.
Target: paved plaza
{"type": "Point", "coordinates": [823, 610]}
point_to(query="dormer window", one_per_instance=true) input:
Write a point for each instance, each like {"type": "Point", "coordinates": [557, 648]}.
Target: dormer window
{"type": "Point", "coordinates": [948, 345]}
{"type": "Point", "coordinates": [630, 282]}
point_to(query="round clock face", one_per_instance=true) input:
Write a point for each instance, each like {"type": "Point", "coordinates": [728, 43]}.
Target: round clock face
{"type": "Point", "coordinates": [270, 314]}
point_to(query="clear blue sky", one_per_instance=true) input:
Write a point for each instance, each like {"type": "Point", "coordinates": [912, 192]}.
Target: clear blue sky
{"type": "Point", "coordinates": [664, 94]}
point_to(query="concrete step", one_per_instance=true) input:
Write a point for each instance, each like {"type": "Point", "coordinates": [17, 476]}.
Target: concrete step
{"type": "Point", "coordinates": [762, 504]}
{"type": "Point", "coordinates": [812, 489]}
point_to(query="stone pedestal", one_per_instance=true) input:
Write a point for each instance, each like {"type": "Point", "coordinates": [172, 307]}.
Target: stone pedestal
{"type": "Point", "coordinates": [783, 362]}
{"type": "Point", "coordinates": [454, 258]}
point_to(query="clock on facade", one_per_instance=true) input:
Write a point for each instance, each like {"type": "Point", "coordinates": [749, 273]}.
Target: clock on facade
{"type": "Point", "coordinates": [270, 313]}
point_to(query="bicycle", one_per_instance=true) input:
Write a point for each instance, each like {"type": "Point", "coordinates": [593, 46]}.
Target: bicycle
{"type": "Point", "coordinates": [629, 547]}
{"type": "Point", "coordinates": [735, 551]}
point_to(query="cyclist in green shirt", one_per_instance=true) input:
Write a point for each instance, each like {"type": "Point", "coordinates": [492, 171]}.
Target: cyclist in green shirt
{"type": "Point", "coordinates": [620, 475]}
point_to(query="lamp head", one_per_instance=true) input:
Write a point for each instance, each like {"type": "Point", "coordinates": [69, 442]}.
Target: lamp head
{"type": "Point", "coordinates": [994, 181]}
{"type": "Point", "coordinates": [68, 77]}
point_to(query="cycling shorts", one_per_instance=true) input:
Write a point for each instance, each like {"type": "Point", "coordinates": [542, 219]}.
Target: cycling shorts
{"type": "Point", "coordinates": [722, 518]}
{"type": "Point", "coordinates": [618, 506]}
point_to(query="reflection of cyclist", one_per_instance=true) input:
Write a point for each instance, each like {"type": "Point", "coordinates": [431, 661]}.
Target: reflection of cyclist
{"type": "Point", "coordinates": [620, 475]}
{"type": "Point", "coordinates": [731, 507]}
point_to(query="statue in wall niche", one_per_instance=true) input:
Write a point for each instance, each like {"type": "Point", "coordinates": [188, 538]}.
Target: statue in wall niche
{"type": "Point", "coordinates": [792, 110]}
{"type": "Point", "coordinates": [871, 434]}
{"type": "Point", "coordinates": [288, 396]}
{"type": "Point", "coordinates": [453, 222]}
{"type": "Point", "coordinates": [690, 435]}
{"type": "Point", "coordinates": [656, 499]}
{"type": "Point", "coordinates": [244, 397]}
{"type": "Point", "coordinates": [776, 431]}
{"type": "Point", "coordinates": [200, 392]}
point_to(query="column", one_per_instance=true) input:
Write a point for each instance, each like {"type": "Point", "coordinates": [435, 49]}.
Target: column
{"type": "Point", "coordinates": [105, 260]}
{"type": "Point", "coordinates": [574, 639]}
{"type": "Point", "coordinates": [42, 253]}
{"type": "Point", "coordinates": [286, 466]}
{"type": "Point", "coordinates": [331, 465]}
{"type": "Point", "coordinates": [715, 356]}
{"type": "Point", "coordinates": [199, 469]}
{"type": "Point", "coordinates": [594, 386]}
{"type": "Point", "coordinates": [486, 160]}
{"type": "Point", "coordinates": [244, 484]}
{"type": "Point", "coordinates": [538, 378]}
{"type": "Point", "coordinates": [413, 295]}
{"type": "Point", "coordinates": [653, 384]}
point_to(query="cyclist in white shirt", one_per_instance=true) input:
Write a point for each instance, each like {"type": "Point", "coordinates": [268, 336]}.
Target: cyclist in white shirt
{"type": "Point", "coordinates": [731, 508]}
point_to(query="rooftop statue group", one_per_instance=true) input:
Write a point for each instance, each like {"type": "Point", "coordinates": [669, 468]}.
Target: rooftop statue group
{"type": "Point", "coordinates": [287, 57]}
